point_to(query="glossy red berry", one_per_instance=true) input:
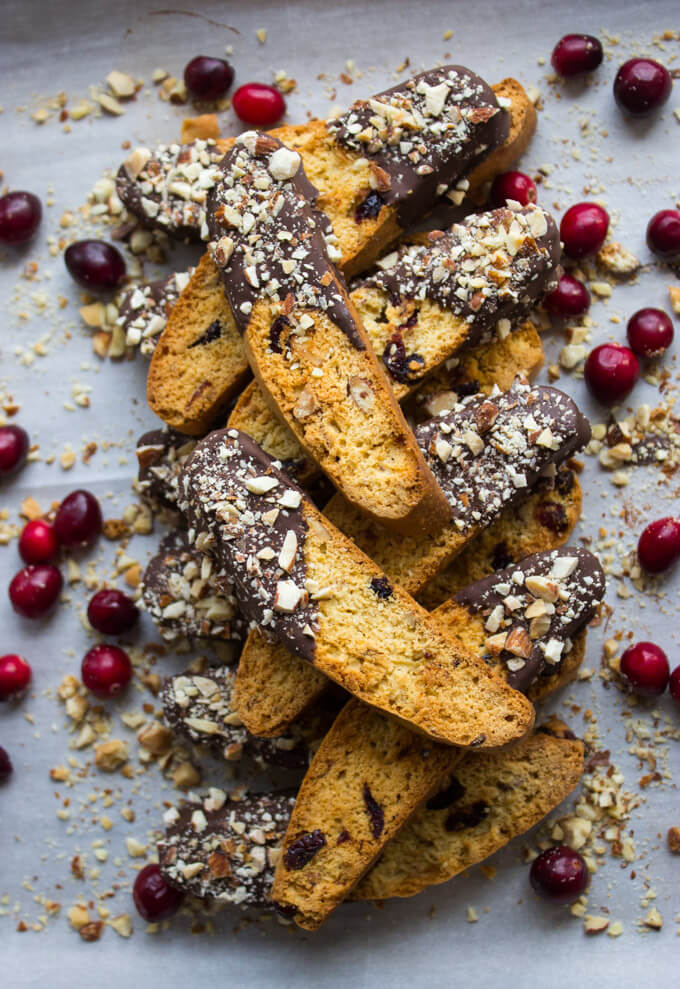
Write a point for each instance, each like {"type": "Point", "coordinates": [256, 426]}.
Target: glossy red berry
{"type": "Point", "coordinates": [674, 684]}
{"type": "Point", "coordinates": [34, 590]}
{"type": "Point", "coordinates": [154, 898]}
{"type": "Point", "coordinates": [513, 185]}
{"type": "Point", "coordinates": [649, 332]}
{"type": "Point", "coordinates": [95, 265]}
{"type": "Point", "coordinates": [20, 216]}
{"type": "Point", "coordinates": [106, 670]}
{"type": "Point", "coordinates": [14, 444]}
{"type": "Point", "coordinates": [570, 298]}
{"type": "Point", "coordinates": [15, 676]}
{"type": "Point", "coordinates": [645, 667]}
{"type": "Point", "coordinates": [112, 612]}
{"type": "Point", "coordinates": [6, 768]}
{"type": "Point", "coordinates": [258, 104]}
{"type": "Point", "coordinates": [642, 86]}
{"type": "Point", "coordinates": [38, 542]}
{"type": "Point", "coordinates": [559, 874]}
{"type": "Point", "coordinates": [78, 521]}
{"type": "Point", "coordinates": [663, 235]}
{"type": "Point", "coordinates": [575, 54]}
{"type": "Point", "coordinates": [659, 545]}
{"type": "Point", "coordinates": [583, 229]}
{"type": "Point", "coordinates": [208, 78]}
{"type": "Point", "coordinates": [611, 371]}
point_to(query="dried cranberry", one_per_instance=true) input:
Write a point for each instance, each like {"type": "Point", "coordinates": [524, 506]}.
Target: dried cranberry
{"type": "Point", "coordinates": [583, 229]}
{"type": "Point", "coordinates": [611, 371]}
{"type": "Point", "coordinates": [405, 368]}
{"type": "Point", "coordinates": [645, 667]}
{"type": "Point", "coordinates": [369, 207]}
{"type": "Point", "coordinates": [258, 104]}
{"type": "Point", "coordinates": [663, 235]}
{"type": "Point", "coordinates": [154, 898]}
{"type": "Point", "coordinates": [570, 298]}
{"type": "Point", "coordinates": [376, 815]}
{"type": "Point", "coordinates": [516, 186]}
{"type": "Point", "coordinates": [35, 589]}
{"type": "Point", "coordinates": [15, 676]}
{"type": "Point", "coordinates": [20, 216]}
{"type": "Point", "coordinates": [559, 874]}
{"type": "Point", "coordinates": [14, 444]}
{"type": "Point", "coordinates": [642, 85]}
{"type": "Point", "coordinates": [381, 587]}
{"type": "Point", "coordinates": [214, 332]}
{"type": "Point", "coordinates": [650, 332]}
{"type": "Point", "coordinates": [6, 768]}
{"type": "Point", "coordinates": [453, 792]}
{"type": "Point", "coordinates": [501, 557]}
{"type": "Point", "coordinates": [564, 481]}
{"type": "Point", "coordinates": [275, 331]}
{"type": "Point", "coordinates": [95, 265]}
{"type": "Point", "coordinates": [303, 849]}
{"type": "Point", "coordinates": [208, 78]}
{"type": "Point", "coordinates": [467, 817]}
{"type": "Point", "coordinates": [659, 545]}
{"type": "Point", "coordinates": [674, 684]}
{"type": "Point", "coordinates": [78, 521]}
{"type": "Point", "coordinates": [38, 542]}
{"type": "Point", "coordinates": [112, 612]}
{"type": "Point", "coordinates": [552, 516]}
{"type": "Point", "coordinates": [575, 54]}
{"type": "Point", "coordinates": [106, 670]}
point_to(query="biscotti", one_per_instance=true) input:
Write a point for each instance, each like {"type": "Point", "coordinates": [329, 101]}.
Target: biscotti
{"type": "Point", "coordinates": [161, 454]}
{"type": "Point", "coordinates": [143, 310]}
{"type": "Point", "coordinates": [305, 341]}
{"type": "Point", "coordinates": [309, 586]}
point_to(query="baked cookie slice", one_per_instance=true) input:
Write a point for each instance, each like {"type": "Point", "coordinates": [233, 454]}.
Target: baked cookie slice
{"type": "Point", "coordinates": [313, 589]}
{"type": "Point", "coordinates": [305, 341]}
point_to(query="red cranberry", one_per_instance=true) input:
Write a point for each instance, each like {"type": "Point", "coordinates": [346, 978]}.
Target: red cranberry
{"type": "Point", "coordinates": [663, 235]}
{"type": "Point", "coordinates": [674, 684]}
{"type": "Point", "coordinates": [575, 54]}
{"type": "Point", "coordinates": [258, 104]}
{"type": "Point", "coordinates": [95, 265]}
{"type": "Point", "coordinates": [111, 612]}
{"type": "Point", "coordinates": [20, 216]}
{"type": "Point", "coordinates": [646, 668]}
{"type": "Point", "coordinates": [570, 298]}
{"type": "Point", "coordinates": [154, 898]}
{"type": "Point", "coordinates": [610, 372]}
{"type": "Point", "coordinates": [208, 78]}
{"type": "Point", "coordinates": [583, 229]}
{"type": "Point", "coordinates": [38, 542]}
{"type": "Point", "coordinates": [659, 545]}
{"type": "Point", "coordinates": [650, 332]}
{"type": "Point", "coordinates": [15, 676]}
{"type": "Point", "coordinates": [106, 670]}
{"type": "Point", "coordinates": [642, 86]}
{"type": "Point", "coordinates": [78, 521]}
{"type": "Point", "coordinates": [14, 444]}
{"type": "Point", "coordinates": [513, 185]}
{"type": "Point", "coordinates": [559, 874]}
{"type": "Point", "coordinates": [35, 589]}
{"type": "Point", "coordinates": [6, 768]}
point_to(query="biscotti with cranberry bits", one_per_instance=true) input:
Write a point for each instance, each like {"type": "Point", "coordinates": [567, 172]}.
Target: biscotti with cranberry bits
{"type": "Point", "coordinates": [304, 339]}
{"type": "Point", "coordinates": [308, 585]}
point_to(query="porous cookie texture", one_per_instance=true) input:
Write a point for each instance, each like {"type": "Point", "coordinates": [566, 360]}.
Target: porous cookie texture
{"type": "Point", "coordinates": [310, 587]}
{"type": "Point", "coordinates": [368, 776]}
{"type": "Point", "coordinates": [304, 340]}
{"type": "Point", "coordinates": [490, 799]}
{"type": "Point", "coordinates": [144, 309]}
{"type": "Point", "coordinates": [225, 849]}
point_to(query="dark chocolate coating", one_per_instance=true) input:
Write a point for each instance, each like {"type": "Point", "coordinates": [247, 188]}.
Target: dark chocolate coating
{"type": "Point", "coordinates": [161, 454]}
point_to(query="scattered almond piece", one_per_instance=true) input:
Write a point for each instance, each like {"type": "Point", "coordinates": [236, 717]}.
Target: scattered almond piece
{"type": "Point", "coordinates": [595, 925]}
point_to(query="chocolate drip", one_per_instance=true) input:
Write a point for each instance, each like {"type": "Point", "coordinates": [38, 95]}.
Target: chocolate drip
{"type": "Point", "coordinates": [561, 590]}
{"type": "Point", "coordinates": [421, 136]}
{"type": "Point", "coordinates": [270, 243]}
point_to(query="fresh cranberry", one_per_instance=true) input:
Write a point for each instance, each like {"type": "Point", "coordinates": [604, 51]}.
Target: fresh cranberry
{"type": "Point", "coordinates": [575, 54]}
{"type": "Point", "coordinates": [559, 874]}
{"type": "Point", "coordinates": [38, 542]}
{"type": "Point", "coordinates": [583, 229]}
{"type": "Point", "coordinates": [15, 676]}
{"type": "Point", "coordinates": [659, 545]}
{"type": "Point", "coordinates": [95, 265]}
{"type": "Point", "coordinates": [642, 86]}
{"type": "Point", "coordinates": [6, 768]}
{"type": "Point", "coordinates": [14, 444]}
{"type": "Point", "coordinates": [570, 298]}
{"type": "Point", "coordinates": [154, 898]}
{"type": "Point", "coordinates": [111, 612]}
{"type": "Point", "coordinates": [35, 589]}
{"type": "Point", "coordinates": [106, 670]}
{"type": "Point", "coordinates": [674, 684]}
{"type": "Point", "coordinates": [208, 78]}
{"type": "Point", "coordinates": [610, 372]}
{"type": "Point", "coordinates": [20, 216]}
{"type": "Point", "coordinates": [663, 235]}
{"type": "Point", "coordinates": [513, 185]}
{"type": "Point", "coordinates": [650, 332]}
{"type": "Point", "coordinates": [646, 668]}
{"type": "Point", "coordinates": [258, 104]}
{"type": "Point", "coordinates": [78, 521]}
